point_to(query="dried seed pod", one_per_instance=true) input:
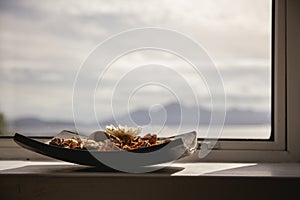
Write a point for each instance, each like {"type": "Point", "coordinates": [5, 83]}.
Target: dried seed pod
{"type": "Point", "coordinates": [153, 139]}
{"type": "Point", "coordinates": [147, 137]}
{"type": "Point", "coordinates": [55, 141]}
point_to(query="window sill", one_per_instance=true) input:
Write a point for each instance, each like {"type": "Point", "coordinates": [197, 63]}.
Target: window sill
{"type": "Point", "coordinates": [50, 180]}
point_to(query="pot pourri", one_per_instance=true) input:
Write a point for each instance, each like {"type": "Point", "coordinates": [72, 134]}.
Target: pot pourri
{"type": "Point", "coordinates": [119, 138]}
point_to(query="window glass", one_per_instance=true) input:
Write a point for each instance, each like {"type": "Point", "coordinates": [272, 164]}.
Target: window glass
{"type": "Point", "coordinates": [43, 44]}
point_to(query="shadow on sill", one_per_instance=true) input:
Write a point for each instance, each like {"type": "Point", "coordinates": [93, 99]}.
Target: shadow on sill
{"type": "Point", "coordinates": [73, 169]}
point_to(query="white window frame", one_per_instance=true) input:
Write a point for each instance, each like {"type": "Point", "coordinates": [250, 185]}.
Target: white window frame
{"type": "Point", "coordinates": [285, 146]}
{"type": "Point", "coordinates": [286, 104]}
{"type": "Point", "coordinates": [279, 90]}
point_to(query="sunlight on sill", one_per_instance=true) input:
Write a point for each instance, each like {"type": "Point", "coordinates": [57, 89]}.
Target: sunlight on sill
{"type": "Point", "coordinates": [197, 169]}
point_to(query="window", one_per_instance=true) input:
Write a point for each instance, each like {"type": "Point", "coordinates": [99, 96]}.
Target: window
{"type": "Point", "coordinates": [43, 45]}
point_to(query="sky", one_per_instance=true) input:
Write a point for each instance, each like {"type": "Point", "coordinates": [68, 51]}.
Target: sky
{"type": "Point", "coordinates": [44, 43]}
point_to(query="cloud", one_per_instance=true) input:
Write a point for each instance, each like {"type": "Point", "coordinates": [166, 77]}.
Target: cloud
{"type": "Point", "coordinates": [44, 43]}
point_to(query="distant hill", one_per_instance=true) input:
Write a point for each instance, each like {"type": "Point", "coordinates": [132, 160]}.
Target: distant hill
{"type": "Point", "coordinates": [171, 116]}
{"type": "Point", "coordinates": [32, 126]}
{"type": "Point", "coordinates": [240, 117]}
{"type": "Point", "coordinates": [32, 121]}
{"type": "Point", "coordinates": [174, 111]}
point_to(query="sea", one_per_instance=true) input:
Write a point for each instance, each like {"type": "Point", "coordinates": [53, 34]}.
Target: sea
{"type": "Point", "coordinates": [257, 131]}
